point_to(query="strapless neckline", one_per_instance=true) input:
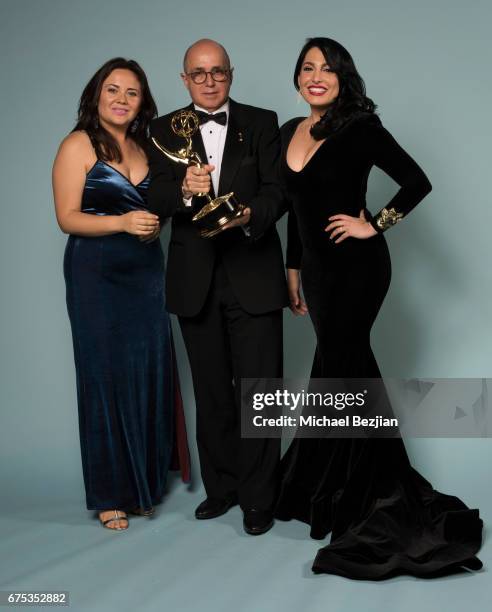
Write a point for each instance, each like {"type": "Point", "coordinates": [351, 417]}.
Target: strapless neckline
{"type": "Point", "coordinates": [134, 185]}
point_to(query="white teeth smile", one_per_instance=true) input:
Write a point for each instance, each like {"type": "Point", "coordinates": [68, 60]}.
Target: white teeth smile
{"type": "Point", "coordinates": [317, 89]}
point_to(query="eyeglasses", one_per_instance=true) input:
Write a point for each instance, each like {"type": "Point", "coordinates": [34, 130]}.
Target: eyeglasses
{"type": "Point", "coordinates": [218, 74]}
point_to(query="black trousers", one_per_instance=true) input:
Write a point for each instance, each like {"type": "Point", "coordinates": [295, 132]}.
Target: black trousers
{"type": "Point", "coordinates": [224, 344]}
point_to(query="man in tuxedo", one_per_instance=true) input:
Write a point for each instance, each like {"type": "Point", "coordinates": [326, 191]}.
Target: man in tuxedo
{"type": "Point", "coordinates": [228, 291]}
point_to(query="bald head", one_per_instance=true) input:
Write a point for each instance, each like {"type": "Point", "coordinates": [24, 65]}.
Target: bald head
{"type": "Point", "coordinates": [207, 74]}
{"type": "Point", "coordinates": [204, 46]}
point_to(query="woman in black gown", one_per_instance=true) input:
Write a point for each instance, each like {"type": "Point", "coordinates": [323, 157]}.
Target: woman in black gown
{"type": "Point", "coordinates": [385, 519]}
{"type": "Point", "coordinates": [127, 386]}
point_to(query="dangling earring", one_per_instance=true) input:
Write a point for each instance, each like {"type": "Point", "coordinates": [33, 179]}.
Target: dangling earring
{"type": "Point", "coordinates": [134, 126]}
{"type": "Point", "coordinates": [96, 122]}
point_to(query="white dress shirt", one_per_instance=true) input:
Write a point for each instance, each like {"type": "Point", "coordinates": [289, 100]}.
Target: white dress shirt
{"type": "Point", "coordinates": [213, 136]}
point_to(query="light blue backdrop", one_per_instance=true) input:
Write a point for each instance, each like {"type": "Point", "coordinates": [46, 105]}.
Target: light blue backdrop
{"type": "Point", "coordinates": [427, 65]}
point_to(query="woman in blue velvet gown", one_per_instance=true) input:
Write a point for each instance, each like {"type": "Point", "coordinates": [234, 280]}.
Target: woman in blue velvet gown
{"type": "Point", "coordinates": [127, 387]}
{"type": "Point", "coordinates": [385, 519]}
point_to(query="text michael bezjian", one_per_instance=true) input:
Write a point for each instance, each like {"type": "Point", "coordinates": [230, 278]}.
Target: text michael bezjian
{"type": "Point", "coordinates": [324, 421]}
{"type": "Point", "coordinates": [292, 401]}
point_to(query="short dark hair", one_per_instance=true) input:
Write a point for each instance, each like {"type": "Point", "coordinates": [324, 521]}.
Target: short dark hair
{"type": "Point", "coordinates": [351, 99]}
{"type": "Point", "coordinates": [105, 145]}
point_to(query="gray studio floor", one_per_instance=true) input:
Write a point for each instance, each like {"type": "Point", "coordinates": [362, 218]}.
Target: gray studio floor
{"type": "Point", "coordinates": [173, 562]}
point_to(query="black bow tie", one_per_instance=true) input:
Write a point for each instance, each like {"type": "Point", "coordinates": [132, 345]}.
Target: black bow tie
{"type": "Point", "coordinates": [220, 118]}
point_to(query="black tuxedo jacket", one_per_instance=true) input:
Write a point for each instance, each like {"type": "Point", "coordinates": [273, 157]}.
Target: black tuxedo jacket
{"type": "Point", "coordinates": [254, 265]}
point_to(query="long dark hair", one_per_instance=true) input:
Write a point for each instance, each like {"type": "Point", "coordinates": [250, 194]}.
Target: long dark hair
{"type": "Point", "coordinates": [106, 147]}
{"type": "Point", "coordinates": [351, 99]}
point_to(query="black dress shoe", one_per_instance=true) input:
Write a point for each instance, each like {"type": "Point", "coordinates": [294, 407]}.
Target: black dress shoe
{"type": "Point", "coordinates": [256, 522]}
{"type": "Point", "coordinates": [212, 507]}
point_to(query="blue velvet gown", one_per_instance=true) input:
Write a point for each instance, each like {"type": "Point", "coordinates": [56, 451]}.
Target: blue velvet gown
{"type": "Point", "coordinates": [123, 351]}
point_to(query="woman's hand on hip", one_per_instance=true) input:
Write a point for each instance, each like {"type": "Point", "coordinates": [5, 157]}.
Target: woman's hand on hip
{"type": "Point", "coordinates": [345, 226]}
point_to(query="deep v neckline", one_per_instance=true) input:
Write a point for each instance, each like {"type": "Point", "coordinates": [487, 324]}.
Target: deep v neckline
{"type": "Point", "coordinates": [313, 154]}
{"type": "Point", "coordinates": [134, 185]}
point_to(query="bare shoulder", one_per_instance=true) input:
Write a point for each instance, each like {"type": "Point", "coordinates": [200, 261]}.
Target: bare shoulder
{"type": "Point", "coordinates": [76, 149]}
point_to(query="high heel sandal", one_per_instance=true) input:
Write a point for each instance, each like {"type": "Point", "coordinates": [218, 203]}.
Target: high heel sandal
{"type": "Point", "coordinates": [116, 517]}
